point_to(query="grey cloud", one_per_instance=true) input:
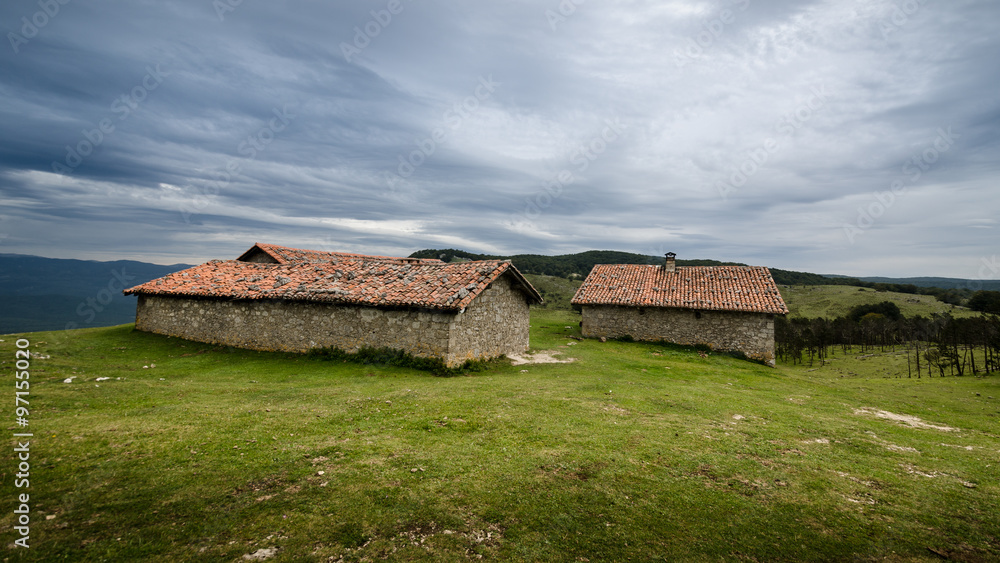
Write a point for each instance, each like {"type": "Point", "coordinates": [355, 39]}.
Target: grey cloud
{"type": "Point", "coordinates": [326, 177]}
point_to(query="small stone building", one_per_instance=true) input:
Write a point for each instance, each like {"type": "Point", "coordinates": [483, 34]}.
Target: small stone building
{"type": "Point", "coordinates": [728, 308]}
{"type": "Point", "coordinates": [284, 299]}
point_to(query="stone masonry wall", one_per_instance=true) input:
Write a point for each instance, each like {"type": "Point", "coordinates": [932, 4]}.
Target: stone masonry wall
{"type": "Point", "coordinates": [750, 333]}
{"type": "Point", "coordinates": [495, 324]}
{"type": "Point", "coordinates": [294, 326]}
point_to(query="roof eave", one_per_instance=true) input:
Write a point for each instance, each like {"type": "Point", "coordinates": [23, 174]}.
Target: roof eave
{"type": "Point", "coordinates": [688, 307]}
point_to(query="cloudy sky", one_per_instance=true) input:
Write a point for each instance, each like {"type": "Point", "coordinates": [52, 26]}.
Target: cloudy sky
{"type": "Point", "coordinates": [853, 137]}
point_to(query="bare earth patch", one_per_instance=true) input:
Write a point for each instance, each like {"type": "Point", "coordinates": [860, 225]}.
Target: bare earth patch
{"type": "Point", "coordinates": [544, 357]}
{"type": "Point", "coordinates": [913, 470]}
{"type": "Point", "coordinates": [913, 421]}
{"type": "Point", "coordinates": [969, 448]}
{"type": "Point", "coordinates": [261, 554]}
{"type": "Point", "coordinates": [817, 441]}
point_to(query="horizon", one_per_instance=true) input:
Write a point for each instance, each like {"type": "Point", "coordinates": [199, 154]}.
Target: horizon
{"type": "Point", "coordinates": [195, 263]}
{"type": "Point", "coordinates": [810, 136]}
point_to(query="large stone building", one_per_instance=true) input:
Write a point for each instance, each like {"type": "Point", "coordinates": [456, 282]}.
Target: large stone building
{"type": "Point", "coordinates": [728, 308]}
{"type": "Point", "coordinates": [279, 298]}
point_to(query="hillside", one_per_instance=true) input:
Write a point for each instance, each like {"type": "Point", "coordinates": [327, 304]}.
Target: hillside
{"type": "Point", "coordinates": [579, 265]}
{"type": "Point", "coordinates": [831, 301]}
{"type": "Point", "coordinates": [946, 283]}
{"type": "Point", "coordinates": [160, 449]}
{"type": "Point", "coordinates": [556, 291]}
{"type": "Point", "coordinates": [566, 265]}
{"type": "Point", "coordinates": [51, 294]}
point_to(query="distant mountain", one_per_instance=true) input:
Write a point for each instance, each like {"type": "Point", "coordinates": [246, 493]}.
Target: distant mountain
{"type": "Point", "coordinates": [39, 293]}
{"type": "Point", "coordinates": [580, 264]}
{"type": "Point", "coordinates": [949, 290]}
{"type": "Point", "coordinates": [54, 294]}
{"type": "Point", "coordinates": [944, 283]}
{"type": "Point", "coordinates": [566, 265]}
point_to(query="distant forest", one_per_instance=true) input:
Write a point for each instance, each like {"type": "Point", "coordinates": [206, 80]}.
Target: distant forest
{"type": "Point", "coordinates": [940, 345]}
{"type": "Point", "coordinates": [579, 265]}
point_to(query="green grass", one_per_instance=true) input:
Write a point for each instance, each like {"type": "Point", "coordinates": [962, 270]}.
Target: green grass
{"type": "Point", "coordinates": [634, 451]}
{"type": "Point", "coordinates": [831, 301]}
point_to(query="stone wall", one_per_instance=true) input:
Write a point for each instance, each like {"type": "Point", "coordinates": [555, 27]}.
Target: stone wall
{"type": "Point", "coordinates": [496, 323]}
{"type": "Point", "coordinates": [749, 333]}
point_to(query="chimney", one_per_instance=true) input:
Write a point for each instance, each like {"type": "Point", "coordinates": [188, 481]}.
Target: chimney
{"type": "Point", "coordinates": [669, 265]}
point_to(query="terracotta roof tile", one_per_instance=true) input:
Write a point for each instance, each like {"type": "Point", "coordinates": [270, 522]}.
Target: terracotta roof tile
{"type": "Point", "coordinates": [352, 280]}
{"type": "Point", "coordinates": [717, 288]}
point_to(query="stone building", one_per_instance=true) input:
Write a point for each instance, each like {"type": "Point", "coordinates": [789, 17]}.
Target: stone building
{"type": "Point", "coordinates": [728, 308]}
{"type": "Point", "coordinates": [279, 298]}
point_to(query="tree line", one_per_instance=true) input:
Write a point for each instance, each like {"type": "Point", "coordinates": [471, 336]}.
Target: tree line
{"type": "Point", "coordinates": [941, 345]}
{"type": "Point", "coordinates": [565, 266]}
{"type": "Point", "coordinates": [577, 266]}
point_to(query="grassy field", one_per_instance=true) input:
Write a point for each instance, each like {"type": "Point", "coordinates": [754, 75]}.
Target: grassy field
{"type": "Point", "coordinates": [633, 451]}
{"type": "Point", "coordinates": [832, 301]}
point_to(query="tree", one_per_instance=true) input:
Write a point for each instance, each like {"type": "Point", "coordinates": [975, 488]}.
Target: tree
{"type": "Point", "coordinates": [985, 301]}
{"type": "Point", "coordinates": [887, 309]}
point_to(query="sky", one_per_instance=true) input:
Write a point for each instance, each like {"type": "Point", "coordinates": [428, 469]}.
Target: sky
{"type": "Point", "coordinates": [849, 137]}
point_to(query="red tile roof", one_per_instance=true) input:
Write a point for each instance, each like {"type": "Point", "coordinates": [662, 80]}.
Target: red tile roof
{"type": "Point", "coordinates": [286, 255]}
{"type": "Point", "coordinates": [360, 281]}
{"type": "Point", "coordinates": [715, 288]}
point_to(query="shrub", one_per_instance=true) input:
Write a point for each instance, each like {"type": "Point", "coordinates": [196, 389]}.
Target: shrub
{"type": "Point", "coordinates": [887, 309]}
{"type": "Point", "coordinates": [384, 356]}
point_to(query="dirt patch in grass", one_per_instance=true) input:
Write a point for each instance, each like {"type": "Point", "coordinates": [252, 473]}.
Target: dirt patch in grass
{"type": "Point", "coordinates": [582, 473]}
{"type": "Point", "coordinates": [543, 357]}
{"type": "Point", "coordinates": [423, 540]}
{"type": "Point", "coordinates": [265, 485]}
{"type": "Point", "coordinates": [906, 419]}
{"type": "Point", "coordinates": [913, 470]}
{"type": "Point", "coordinates": [735, 483]}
